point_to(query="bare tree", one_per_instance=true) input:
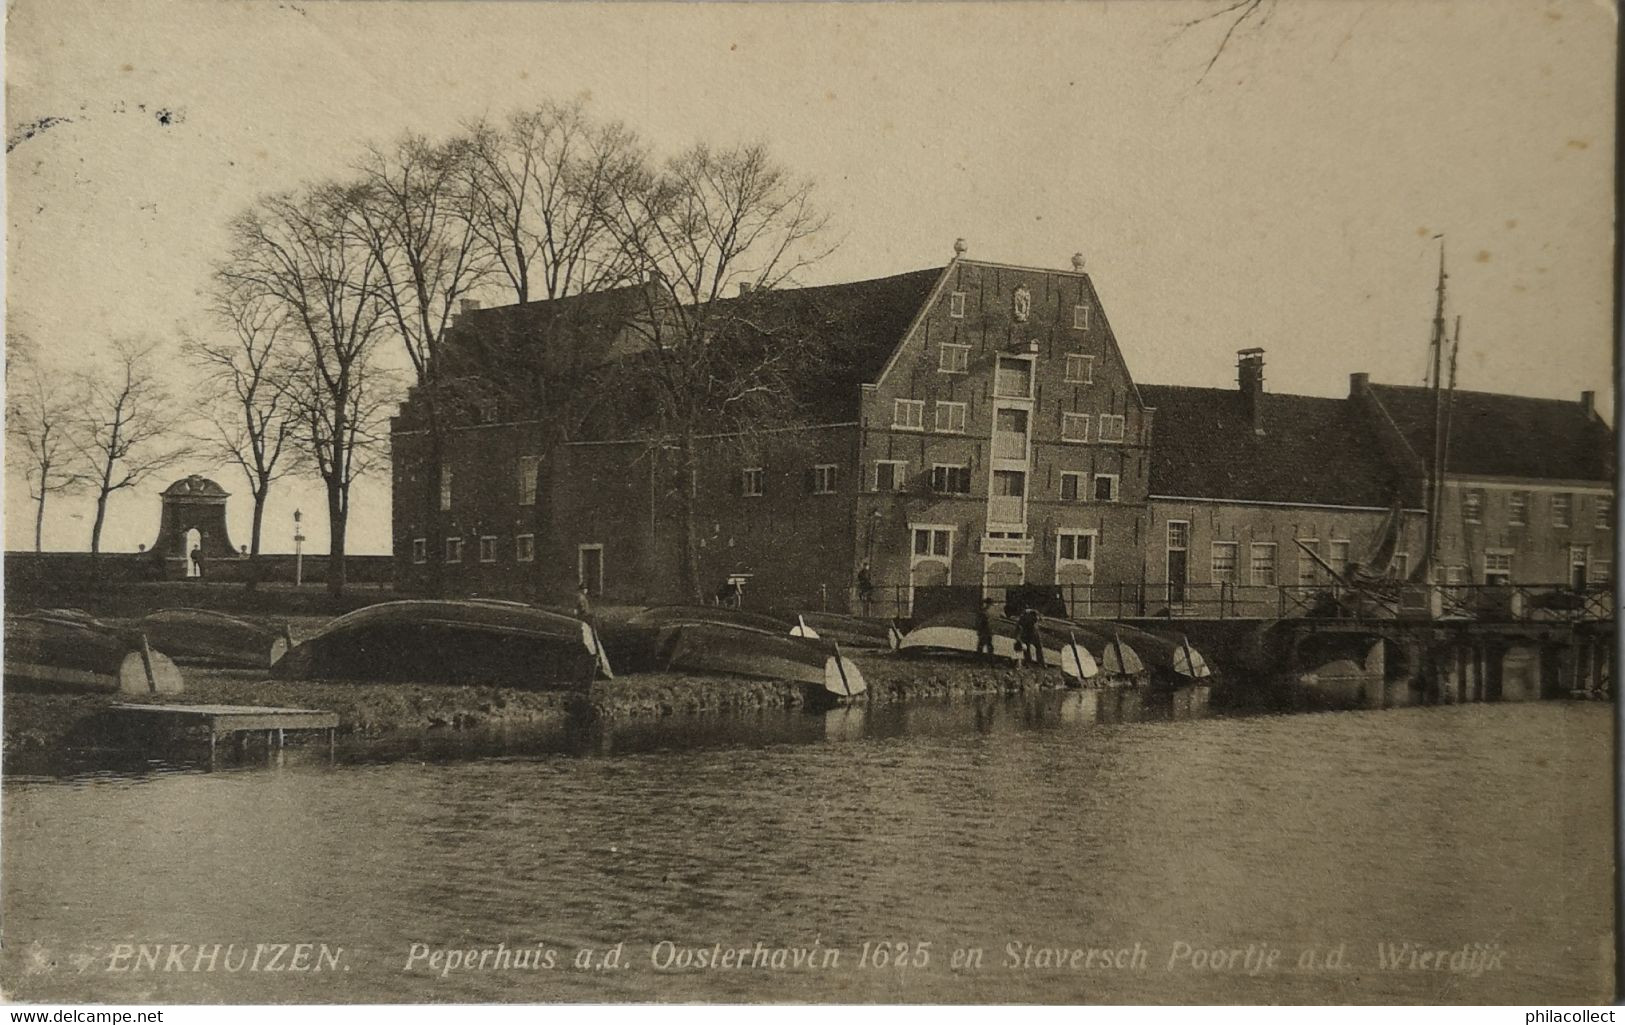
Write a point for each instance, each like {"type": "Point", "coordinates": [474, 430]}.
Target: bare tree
{"type": "Point", "coordinates": [1233, 15]}
{"type": "Point", "coordinates": [707, 223]}
{"type": "Point", "coordinates": [248, 416]}
{"type": "Point", "coordinates": [40, 422]}
{"type": "Point", "coordinates": [301, 253]}
{"type": "Point", "coordinates": [126, 425]}
{"type": "Point", "coordinates": [538, 183]}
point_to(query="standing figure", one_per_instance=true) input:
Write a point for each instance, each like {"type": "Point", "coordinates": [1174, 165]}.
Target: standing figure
{"type": "Point", "coordinates": [984, 628]}
{"type": "Point", "coordinates": [583, 603]}
{"type": "Point", "coordinates": [197, 561]}
{"type": "Point", "coordinates": [866, 586]}
{"type": "Point", "coordinates": [1032, 651]}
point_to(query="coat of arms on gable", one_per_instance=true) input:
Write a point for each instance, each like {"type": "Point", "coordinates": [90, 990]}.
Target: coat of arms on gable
{"type": "Point", "coordinates": [1023, 305]}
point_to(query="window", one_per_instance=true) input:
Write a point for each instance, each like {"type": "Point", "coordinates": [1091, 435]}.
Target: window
{"type": "Point", "coordinates": [1517, 508]}
{"type": "Point", "coordinates": [956, 305]}
{"type": "Point", "coordinates": [1009, 484]}
{"type": "Point", "coordinates": [1599, 571]}
{"type": "Point", "coordinates": [454, 549]}
{"type": "Point", "coordinates": [420, 550]}
{"type": "Point", "coordinates": [1338, 557]}
{"type": "Point", "coordinates": [1498, 566]}
{"type": "Point", "coordinates": [822, 479]}
{"type": "Point", "coordinates": [750, 482]}
{"type": "Point", "coordinates": [1105, 487]}
{"type": "Point", "coordinates": [1605, 512]}
{"type": "Point", "coordinates": [488, 549]}
{"type": "Point", "coordinates": [529, 470]}
{"type": "Point", "coordinates": [950, 480]}
{"type": "Point", "coordinates": [1071, 487]}
{"type": "Point", "coordinates": [909, 414]}
{"type": "Point", "coordinates": [1074, 426]}
{"type": "Point", "coordinates": [1472, 505]}
{"type": "Point", "coordinates": [953, 359]}
{"type": "Point", "coordinates": [1080, 318]}
{"type": "Point", "coordinates": [1072, 546]}
{"type": "Point", "coordinates": [1308, 566]}
{"type": "Point", "coordinates": [1401, 566]}
{"type": "Point", "coordinates": [933, 541]}
{"type": "Point", "coordinates": [1179, 535]}
{"type": "Point", "coordinates": [1262, 570]}
{"type": "Point", "coordinates": [524, 548]}
{"type": "Point", "coordinates": [1224, 562]}
{"type": "Point", "coordinates": [890, 475]}
{"type": "Point", "coordinates": [1562, 510]}
{"type": "Point", "coordinates": [951, 417]}
{"type": "Point", "coordinates": [1111, 427]}
{"type": "Point", "coordinates": [1014, 378]}
{"type": "Point", "coordinates": [445, 488]}
{"type": "Point", "coordinates": [1080, 369]}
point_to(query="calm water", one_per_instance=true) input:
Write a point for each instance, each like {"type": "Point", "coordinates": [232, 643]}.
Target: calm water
{"type": "Point", "coordinates": [1067, 822]}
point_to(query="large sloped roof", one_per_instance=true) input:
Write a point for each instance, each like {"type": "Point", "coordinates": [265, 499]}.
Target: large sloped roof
{"type": "Point", "coordinates": [1495, 435]}
{"type": "Point", "coordinates": [1315, 451]}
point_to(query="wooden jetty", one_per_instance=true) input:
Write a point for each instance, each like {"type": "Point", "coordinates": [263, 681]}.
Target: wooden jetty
{"type": "Point", "coordinates": [235, 720]}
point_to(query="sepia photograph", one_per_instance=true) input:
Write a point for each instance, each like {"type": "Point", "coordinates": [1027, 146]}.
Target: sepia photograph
{"type": "Point", "coordinates": [1103, 502]}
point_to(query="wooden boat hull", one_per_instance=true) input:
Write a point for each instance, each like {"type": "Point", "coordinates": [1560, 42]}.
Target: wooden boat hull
{"type": "Point", "coordinates": [745, 651]}
{"type": "Point", "coordinates": [848, 631]}
{"type": "Point", "coordinates": [1171, 660]}
{"type": "Point", "coordinates": [459, 642]}
{"type": "Point", "coordinates": [955, 630]}
{"type": "Point", "coordinates": [203, 635]}
{"type": "Point", "coordinates": [66, 654]}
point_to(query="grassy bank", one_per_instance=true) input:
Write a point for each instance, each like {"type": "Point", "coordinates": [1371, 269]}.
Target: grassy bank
{"type": "Point", "coordinates": [37, 724]}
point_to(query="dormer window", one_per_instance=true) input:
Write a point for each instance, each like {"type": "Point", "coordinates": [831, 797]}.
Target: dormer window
{"type": "Point", "coordinates": [956, 306]}
{"type": "Point", "coordinates": [1080, 318]}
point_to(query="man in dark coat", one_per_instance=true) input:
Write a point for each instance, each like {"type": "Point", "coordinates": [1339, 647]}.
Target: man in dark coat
{"type": "Point", "coordinates": [1032, 645]}
{"type": "Point", "coordinates": [984, 628]}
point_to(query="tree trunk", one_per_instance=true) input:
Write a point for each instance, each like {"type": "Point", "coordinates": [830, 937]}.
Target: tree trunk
{"type": "Point", "coordinates": [689, 570]}
{"type": "Point", "coordinates": [96, 528]}
{"type": "Point", "coordinates": [39, 519]}
{"type": "Point", "coordinates": [254, 535]}
{"type": "Point", "coordinates": [336, 517]}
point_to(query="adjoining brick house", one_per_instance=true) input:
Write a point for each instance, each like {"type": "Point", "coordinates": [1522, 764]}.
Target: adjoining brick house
{"type": "Point", "coordinates": [984, 430]}
{"type": "Point", "coordinates": [1528, 485]}
{"type": "Point", "coordinates": [1243, 481]}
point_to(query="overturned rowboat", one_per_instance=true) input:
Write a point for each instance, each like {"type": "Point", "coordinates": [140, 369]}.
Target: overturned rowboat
{"type": "Point", "coordinates": [1115, 655]}
{"type": "Point", "coordinates": [954, 630]}
{"type": "Point", "coordinates": [1170, 658]}
{"type": "Point", "coordinates": [79, 653]}
{"type": "Point", "coordinates": [716, 639]}
{"type": "Point", "coordinates": [464, 642]}
{"type": "Point", "coordinates": [848, 631]}
{"type": "Point", "coordinates": [203, 635]}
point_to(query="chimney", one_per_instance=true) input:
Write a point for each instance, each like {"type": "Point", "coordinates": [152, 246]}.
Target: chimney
{"type": "Point", "coordinates": [745, 288]}
{"type": "Point", "coordinates": [1250, 375]}
{"type": "Point", "coordinates": [470, 305]}
{"type": "Point", "coordinates": [1358, 383]}
{"type": "Point", "coordinates": [1588, 403]}
{"type": "Point", "coordinates": [960, 248]}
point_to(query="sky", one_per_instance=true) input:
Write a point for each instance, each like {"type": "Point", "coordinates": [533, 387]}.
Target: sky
{"type": "Point", "coordinates": [1287, 199]}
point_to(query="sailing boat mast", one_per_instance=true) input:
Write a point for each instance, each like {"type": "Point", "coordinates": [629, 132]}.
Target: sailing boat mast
{"type": "Point", "coordinates": [1435, 503]}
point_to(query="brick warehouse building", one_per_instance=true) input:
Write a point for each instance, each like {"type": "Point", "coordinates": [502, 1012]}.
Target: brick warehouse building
{"type": "Point", "coordinates": [984, 431]}
{"type": "Point", "coordinates": [987, 430]}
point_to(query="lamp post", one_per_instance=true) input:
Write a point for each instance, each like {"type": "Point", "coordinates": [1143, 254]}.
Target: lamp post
{"type": "Point", "coordinates": [298, 549]}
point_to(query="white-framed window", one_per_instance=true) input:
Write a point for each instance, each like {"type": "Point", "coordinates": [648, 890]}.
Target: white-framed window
{"type": "Point", "coordinates": [524, 548]}
{"type": "Point", "coordinates": [1517, 508]}
{"type": "Point", "coordinates": [1261, 568]}
{"type": "Point", "coordinates": [1072, 487]}
{"type": "Point", "coordinates": [1080, 318]}
{"type": "Point", "coordinates": [1075, 546]}
{"type": "Point", "coordinates": [1080, 369]}
{"type": "Point", "coordinates": [950, 479]}
{"type": "Point", "coordinates": [445, 488]}
{"type": "Point", "coordinates": [1472, 505]}
{"type": "Point", "coordinates": [488, 548]}
{"type": "Point", "coordinates": [529, 471]}
{"type": "Point", "coordinates": [951, 417]}
{"type": "Point", "coordinates": [420, 550]}
{"type": "Point", "coordinates": [1179, 535]}
{"type": "Point", "coordinates": [750, 482]}
{"type": "Point", "coordinates": [1105, 487]}
{"type": "Point", "coordinates": [1562, 509]}
{"type": "Point", "coordinates": [956, 305]}
{"type": "Point", "coordinates": [934, 542]}
{"type": "Point", "coordinates": [1579, 565]}
{"type": "Point", "coordinates": [1600, 570]}
{"type": "Point", "coordinates": [1074, 426]}
{"type": "Point", "coordinates": [953, 359]}
{"type": "Point", "coordinates": [908, 414]}
{"type": "Point", "coordinates": [890, 475]}
{"type": "Point", "coordinates": [454, 549]}
{"type": "Point", "coordinates": [1605, 512]}
{"type": "Point", "coordinates": [823, 479]}
{"type": "Point", "coordinates": [1223, 562]}
{"type": "Point", "coordinates": [1498, 567]}
{"type": "Point", "coordinates": [1013, 378]}
{"type": "Point", "coordinates": [1309, 571]}
{"type": "Point", "coordinates": [1111, 427]}
{"type": "Point", "coordinates": [1337, 555]}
